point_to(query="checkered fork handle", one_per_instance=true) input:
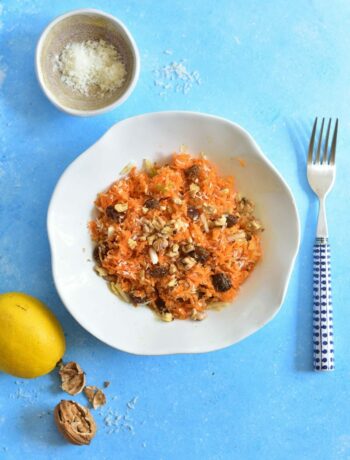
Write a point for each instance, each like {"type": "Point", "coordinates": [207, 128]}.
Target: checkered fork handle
{"type": "Point", "coordinates": [322, 308]}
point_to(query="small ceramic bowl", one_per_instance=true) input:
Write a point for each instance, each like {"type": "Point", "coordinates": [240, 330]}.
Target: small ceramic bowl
{"type": "Point", "coordinates": [78, 26]}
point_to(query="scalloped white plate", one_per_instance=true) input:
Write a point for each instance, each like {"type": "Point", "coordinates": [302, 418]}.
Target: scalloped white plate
{"type": "Point", "coordinates": [155, 136]}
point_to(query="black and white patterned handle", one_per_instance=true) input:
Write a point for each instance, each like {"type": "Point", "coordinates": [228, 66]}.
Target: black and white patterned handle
{"type": "Point", "coordinates": [322, 308]}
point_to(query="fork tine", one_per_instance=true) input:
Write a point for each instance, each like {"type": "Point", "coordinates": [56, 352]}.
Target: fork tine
{"type": "Point", "coordinates": [317, 160]}
{"type": "Point", "coordinates": [312, 141]}
{"type": "Point", "coordinates": [325, 148]}
{"type": "Point", "coordinates": [334, 144]}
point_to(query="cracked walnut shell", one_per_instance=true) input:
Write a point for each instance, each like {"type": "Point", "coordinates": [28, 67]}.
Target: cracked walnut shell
{"type": "Point", "coordinates": [75, 422]}
{"type": "Point", "coordinates": [72, 378]}
{"type": "Point", "coordinates": [95, 396]}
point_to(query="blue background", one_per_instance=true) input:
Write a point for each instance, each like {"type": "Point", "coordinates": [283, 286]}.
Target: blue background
{"type": "Point", "coordinates": [271, 67]}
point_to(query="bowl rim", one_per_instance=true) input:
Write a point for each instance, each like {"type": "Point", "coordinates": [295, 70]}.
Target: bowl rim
{"type": "Point", "coordinates": [162, 351]}
{"type": "Point", "coordinates": [39, 72]}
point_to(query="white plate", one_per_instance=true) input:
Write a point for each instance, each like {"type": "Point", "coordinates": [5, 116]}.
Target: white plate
{"type": "Point", "coordinates": [155, 136]}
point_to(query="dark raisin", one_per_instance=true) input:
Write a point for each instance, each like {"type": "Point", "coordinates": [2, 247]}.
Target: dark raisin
{"type": "Point", "coordinates": [151, 203]}
{"type": "Point", "coordinates": [113, 214]}
{"type": "Point", "coordinates": [200, 294]}
{"type": "Point", "coordinates": [221, 282]}
{"type": "Point", "coordinates": [137, 300]}
{"type": "Point", "coordinates": [192, 172]}
{"type": "Point", "coordinates": [160, 304]}
{"type": "Point", "coordinates": [193, 213]}
{"type": "Point", "coordinates": [96, 254]}
{"type": "Point", "coordinates": [100, 252]}
{"type": "Point", "coordinates": [231, 220]}
{"type": "Point", "coordinates": [200, 254]}
{"type": "Point", "coordinates": [158, 272]}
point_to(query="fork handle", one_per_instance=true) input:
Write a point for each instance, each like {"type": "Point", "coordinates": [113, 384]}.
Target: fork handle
{"type": "Point", "coordinates": [322, 307]}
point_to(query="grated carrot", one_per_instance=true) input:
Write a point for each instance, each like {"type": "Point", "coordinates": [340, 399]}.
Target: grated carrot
{"type": "Point", "coordinates": [195, 212]}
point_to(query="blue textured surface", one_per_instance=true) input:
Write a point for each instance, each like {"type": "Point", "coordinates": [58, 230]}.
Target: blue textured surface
{"type": "Point", "coordinates": [270, 66]}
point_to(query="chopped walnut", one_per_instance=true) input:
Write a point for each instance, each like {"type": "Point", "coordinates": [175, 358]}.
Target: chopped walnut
{"type": "Point", "coordinates": [72, 378]}
{"type": "Point", "coordinates": [121, 207]}
{"type": "Point", "coordinates": [106, 384]}
{"type": "Point", "coordinates": [188, 262]}
{"type": "Point", "coordinates": [187, 248]}
{"type": "Point", "coordinates": [75, 422]}
{"type": "Point", "coordinates": [220, 222]}
{"type": "Point", "coordinates": [194, 189]}
{"type": "Point", "coordinates": [198, 315]}
{"type": "Point", "coordinates": [115, 215]}
{"type": "Point", "coordinates": [132, 243]}
{"type": "Point", "coordinates": [160, 244]}
{"type": "Point", "coordinates": [244, 205]}
{"type": "Point", "coordinates": [158, 272]}
{"type": "Point", "coordinates": [192, 172]}
{"type": "Point", "coordinates": [172, 282]}
{"type": "Point", "coordinates": [200, 254]}
{"type": "Point", "coordinates": [167, 317]}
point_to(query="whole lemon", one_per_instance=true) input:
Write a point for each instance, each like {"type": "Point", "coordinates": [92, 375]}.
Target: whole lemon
{"type": "Point", "coordinates": [31, 338]}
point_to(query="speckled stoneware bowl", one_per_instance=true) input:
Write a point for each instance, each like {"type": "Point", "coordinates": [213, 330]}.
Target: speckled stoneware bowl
{"type": "Point", "coordinates": [78, 26]}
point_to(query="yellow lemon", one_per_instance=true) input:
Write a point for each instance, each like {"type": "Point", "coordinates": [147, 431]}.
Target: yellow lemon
{"type": "Point", "coordinates": [31, 338]}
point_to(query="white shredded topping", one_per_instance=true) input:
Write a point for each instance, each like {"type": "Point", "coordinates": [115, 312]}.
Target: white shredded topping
{"type": "Point", "coordinates": [91, 66]}
{"type": "Point", "coordinates": [153, 255]}
{"type": "Point", "coordinates": [176, 78]}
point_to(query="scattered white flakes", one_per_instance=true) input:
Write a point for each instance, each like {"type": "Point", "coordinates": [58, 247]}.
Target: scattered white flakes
{"type": "Point", "coordinates": [116, 420]}
{"type": "Point", "coordinates": [132, 403]}
{"type": "Point", "coordinates": [28, 397]}
{"type": "Point", "coordinates": [175, 77]}
{"type": "Point", "coordinates": [2, 76]}
{"type": "Point", "coordinates": [144, 444]}
{"type": "Point", "coordinates": [169, 52]}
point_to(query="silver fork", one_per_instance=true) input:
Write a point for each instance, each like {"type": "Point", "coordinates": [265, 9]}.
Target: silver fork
{"type": "Point", "coordinates": [321, 176]}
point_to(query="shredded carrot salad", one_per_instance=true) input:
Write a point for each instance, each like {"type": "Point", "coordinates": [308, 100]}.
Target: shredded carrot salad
{"type": "Point", "coordinates": [177, 237]}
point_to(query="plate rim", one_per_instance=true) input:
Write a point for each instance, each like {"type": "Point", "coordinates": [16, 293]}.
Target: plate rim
{"type": "Point", "coordinates": [161, 352]}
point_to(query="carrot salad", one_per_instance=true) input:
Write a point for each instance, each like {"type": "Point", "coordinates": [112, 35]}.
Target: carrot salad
{"type": "Point", "coordinates": [178, 238]}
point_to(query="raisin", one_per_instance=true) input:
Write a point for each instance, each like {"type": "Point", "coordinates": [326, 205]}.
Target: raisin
{"type": "Point", "coordinates": [231, 220]}
{"type": "Point", "coordinates": [137, 300]}
{"type": "Point", "coordinates": [158, 272]}
{"type": "Point", "coordinates": [151, 203]}
{"type": "Point", "coordinates": [192, 172]}
{"type": "Point", "coordinates": [200, 254]}
{"type": "Point", "coordinates": [100, 252]}
{"type": "Point", "coordinates": [96, 254]}
{"type": "Point", "coordinates": [113, 214]}
{"type": "Point", "coordinates": [221, 282]}
{"type": "Point", "coordinates": [160, 304]}
{"type": "Point", "coordinates": [193, 213]}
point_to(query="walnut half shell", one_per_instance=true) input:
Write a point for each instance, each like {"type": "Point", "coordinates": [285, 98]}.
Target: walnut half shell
{"type": "Point", "coordinates": [72, 378]}
{"type": "Point", "coordinates": [75, 422]}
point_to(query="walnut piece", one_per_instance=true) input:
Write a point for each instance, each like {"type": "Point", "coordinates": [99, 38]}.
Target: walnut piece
{"type": "Point", "coordinates": [95, 396]}
{"type": "Point", "coordinates": [72, 378]}
{"type": "Point", "coordinates": [75, 422]}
